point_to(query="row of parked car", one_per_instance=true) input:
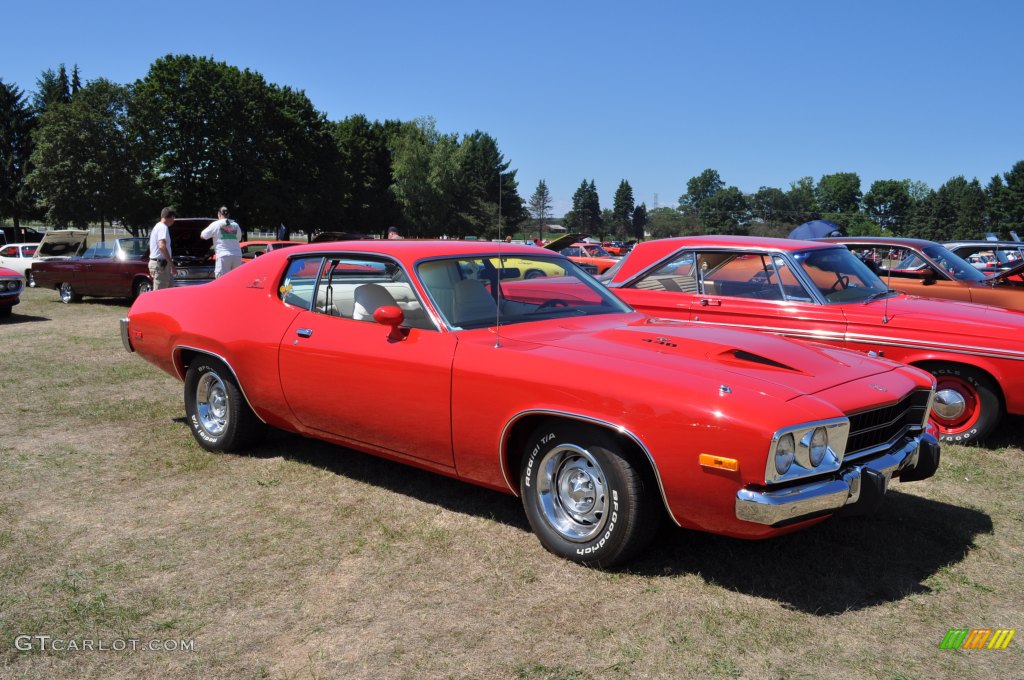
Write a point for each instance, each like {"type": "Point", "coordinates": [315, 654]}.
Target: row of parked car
{"type": "Point", "coordinates": [743, 386]}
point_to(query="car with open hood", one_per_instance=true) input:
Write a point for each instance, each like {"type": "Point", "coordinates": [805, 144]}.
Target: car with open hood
{"type": "Point", "coordinates": [11, 285]}
{"type": "Point", "coordinates": [592, 257]}
{"type": "Point", "coordinates": [425, 352]}
{"type": "Point", "coordinates": [930, 269]}
{"type": "Point", "coordinates": [120, 267]}
{"type": "Point", "coordinates": [824, 293]}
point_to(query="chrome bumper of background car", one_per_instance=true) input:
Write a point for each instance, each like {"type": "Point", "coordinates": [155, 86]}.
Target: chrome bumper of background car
{"type": "Point", "coordinates": [125, 340]}
{"type": "Point", "coordinates": [861, 484]}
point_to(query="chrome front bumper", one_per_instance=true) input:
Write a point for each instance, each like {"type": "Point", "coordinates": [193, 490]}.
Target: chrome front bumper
{"type": "Point", "coordinates": [125, 340]}
{"type": "Point", "coordinates": [862, 483]}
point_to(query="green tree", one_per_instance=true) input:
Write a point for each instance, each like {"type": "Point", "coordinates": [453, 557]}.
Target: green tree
{"type": "Point", "coordinates": [699, 189]}
{"type": "Point", "coordinates": [1013, 198]}
{"type": "Point", "coordinates": [669, 222]}
{"type": "Point", "coordinates": [639, 221]}
{"type": "Point", "coordinates": [16, 124]}
{"type": "Point", "coordinates": [363, 197]}
{"type": "Point", "coordinates": [84, 168]}
{"type": "Point", "coordinates": [51, 90]}
{"type": "Point", "coordinates": [76, 81]}
{"type": "Point", "coordinates": [839, 193]}
{"type": "Point", "coordinates": [585, 216]}
{"type": "Point", "coordinates": [889, 204]}
{"type": "Point", "coordinates": [540, 206]}
{"type": "Point", "coordinates": [803, 204]}
{"type": "Point", "coordinates": [770, 205]}
{"type": "Point", "coordinates": [996, 217]}
{"type": "Point", "coordinates": [622, 211]}
{"type": "Point", "coordinates": [726, 211]}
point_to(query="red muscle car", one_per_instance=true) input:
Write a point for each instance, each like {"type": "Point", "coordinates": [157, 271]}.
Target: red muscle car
{"type": "Point", "coordinates": [929, 269]}
{"type": "Point", "coordinates": [823, 292]}
{"type": "Point", "coordinates": [427, 353]}
{"type": "Point", "coordinates": [11, 285]}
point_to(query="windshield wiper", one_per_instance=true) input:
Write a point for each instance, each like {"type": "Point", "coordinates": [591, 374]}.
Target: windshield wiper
{"type": "Point", "coordinates": [879, 294]}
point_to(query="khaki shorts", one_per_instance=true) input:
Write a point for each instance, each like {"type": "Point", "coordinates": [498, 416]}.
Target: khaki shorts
{"type": "Point", "coordinates": [161, 275]}
{"type": "Point", "coordinates": [226, 263]}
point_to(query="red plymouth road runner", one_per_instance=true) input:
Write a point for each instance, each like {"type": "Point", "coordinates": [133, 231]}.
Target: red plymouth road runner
{"type": "Point", "coordinates": [439, 355]}
{"type": "Point", "coordinates": [825, 293]}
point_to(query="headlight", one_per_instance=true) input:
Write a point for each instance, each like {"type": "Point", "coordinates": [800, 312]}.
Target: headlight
{"type": "Point", "coordinates": [818, 446]}
{"type": "Point", "coordinates": [785, 453]}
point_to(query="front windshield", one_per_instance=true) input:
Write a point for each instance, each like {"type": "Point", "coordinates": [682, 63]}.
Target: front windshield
{"type": "Point", "coordinates": [133, 248]}
{"type": "Point", "coordinates": [840, 275]}
{"type": "Point", "coordinates": [479, 291]}
{"type": "Point", "coordinates": [596, 251]}
{"type": "Point", "coordinates": [952, 264]}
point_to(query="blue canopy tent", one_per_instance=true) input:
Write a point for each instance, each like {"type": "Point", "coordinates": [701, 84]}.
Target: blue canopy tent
{"type": "Point", "coordinates": [816, 229]}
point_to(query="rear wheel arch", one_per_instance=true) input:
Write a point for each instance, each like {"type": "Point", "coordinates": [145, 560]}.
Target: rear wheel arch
{"type": "Point", "coordinates": [184, 356]}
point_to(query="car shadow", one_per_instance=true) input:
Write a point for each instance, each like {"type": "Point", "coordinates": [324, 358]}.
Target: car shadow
{"type": "Point", "coordinates": [840, 565]}
{"type": "Point", "coordinates": [1008, 434]}
{"type": "Point", "coordinates": [16, 318]}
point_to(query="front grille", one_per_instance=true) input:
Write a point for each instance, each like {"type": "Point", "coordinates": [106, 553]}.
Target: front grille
{"type": "Point", "coordinates": [869, 429]}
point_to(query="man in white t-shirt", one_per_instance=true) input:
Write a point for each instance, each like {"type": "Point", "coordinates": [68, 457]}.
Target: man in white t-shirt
{"type": "Point", "coordinates": [226, 235]}
{"type": "Point", "coordinates": [161, 265]}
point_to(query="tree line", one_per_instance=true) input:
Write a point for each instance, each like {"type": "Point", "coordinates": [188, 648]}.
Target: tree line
{"type": "Point", "coordinates": [197, 134]}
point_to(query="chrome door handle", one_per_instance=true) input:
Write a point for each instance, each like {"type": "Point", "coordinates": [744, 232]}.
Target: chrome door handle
{"type": "Point", "coordinates": [710, 303]}
{"type": "Point", "coordinates": [304, 332]}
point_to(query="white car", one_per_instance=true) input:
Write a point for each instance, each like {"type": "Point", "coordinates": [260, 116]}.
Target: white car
{"type": "Point", "coordinates": [19, 257]}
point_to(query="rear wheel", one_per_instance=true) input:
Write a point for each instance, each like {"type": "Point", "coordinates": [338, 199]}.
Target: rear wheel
{"type": "Point", "coordinates": [967, 405]}
{"type": "Point", "coordinates": [142, 286]}
{"type": "Point", "coordinates": [587, 498]}
{"type": "Point", "coordinates": [217, 412]}
{"type": "Point", "coordinates": [68, 294]}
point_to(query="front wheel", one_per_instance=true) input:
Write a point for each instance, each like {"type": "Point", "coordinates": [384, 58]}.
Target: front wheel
{"type": "Point", "coordinates": [141, 287]}
{"type": "Point", "coordinates": [967, 405]}
{"type": "Point", "coordinates": [586, 497]}
{"type": "Point", "coordinates": [217, 412]}
{"type": "Point", "coordinates": [68, 294]}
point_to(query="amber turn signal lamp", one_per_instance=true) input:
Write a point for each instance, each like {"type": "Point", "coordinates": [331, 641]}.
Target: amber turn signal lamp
{"type": "Point", "coordinates": [719, 463]}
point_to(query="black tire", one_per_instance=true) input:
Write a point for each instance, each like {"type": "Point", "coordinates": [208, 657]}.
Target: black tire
{"type": "Point", "coordinates": [983, 407]}
{"type": "Point", "coordinates": [217, 412]}
{"type": "Point", "coordinates": [616, 513]}
{"type": "Point", "coordinates": [68, 294]}
{"type": "Point", "coordinates": [141, 287]}
{"type": "Point", "coordinates": [533, 274]}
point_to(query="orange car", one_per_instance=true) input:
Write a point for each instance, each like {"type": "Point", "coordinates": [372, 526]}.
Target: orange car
{"type": "Point", "coordinates": [591, 257]}
{"type": "Point", "coordinates": [929, 269]}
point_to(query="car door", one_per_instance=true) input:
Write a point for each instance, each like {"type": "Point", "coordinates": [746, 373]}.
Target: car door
{"type": "Point", "coordinates": [349, 378]}
{"type": "Point", "coordinates": [9, 258]}
{"type": "Point", "coordinates": [667, 291]}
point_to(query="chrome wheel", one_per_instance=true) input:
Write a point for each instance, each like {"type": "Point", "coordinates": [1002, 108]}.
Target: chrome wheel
{"type": "Point", "coordinates": [67, 293]}
{"type": "Point", "coordinates": [572, 493]}
{"type": "Point", "coordinates": [212, 403]}
{"type": "Point", "coordinates": [30, 280]}
{"type": "Point", "coordinates": [949, 404]}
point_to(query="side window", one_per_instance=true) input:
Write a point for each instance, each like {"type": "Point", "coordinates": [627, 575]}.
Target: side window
{"type": "Point", "coordinates": [28, 251]}
{"type": "Point", "coordinates": [356, 287]}
{"type": "Point", "coordinates": [792, 290]}
{"type": "Point", "coordinates": [299, 282]}
{"type": "Point", "coordinates": [678, 275]}
{"type": "Point", "coordinates": [9, 251]}
{"type": "Point", "coordinates": [745, 275]}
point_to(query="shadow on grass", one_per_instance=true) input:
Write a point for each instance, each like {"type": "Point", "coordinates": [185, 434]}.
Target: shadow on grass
{"type": "Point", "coordinates": [1008, 434]}
{"type": "Point", "coordinates": [840, 565]}
{"type": "Point", "coordinates": [16, 318]}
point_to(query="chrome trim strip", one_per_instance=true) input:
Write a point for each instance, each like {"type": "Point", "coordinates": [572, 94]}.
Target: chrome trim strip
{"type": "Point", "coordinates": [125, 340]}
{"type": "Point", "coordinates": [503, 458]}
{"type": "Point", "coordinates": [176, 350]}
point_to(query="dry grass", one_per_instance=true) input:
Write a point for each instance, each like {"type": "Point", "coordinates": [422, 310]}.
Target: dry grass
{"type": "Point", "coordinates": [304, 560]}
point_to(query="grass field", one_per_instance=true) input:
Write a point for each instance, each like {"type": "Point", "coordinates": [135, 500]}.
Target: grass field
{"type": "Point", "coordinates": [304, 560]}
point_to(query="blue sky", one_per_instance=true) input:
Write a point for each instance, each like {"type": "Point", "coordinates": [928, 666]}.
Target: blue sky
{"type": "Point", "coordinates": [650, 92]}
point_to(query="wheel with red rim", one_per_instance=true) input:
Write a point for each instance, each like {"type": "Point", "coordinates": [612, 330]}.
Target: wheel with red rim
{"type": "Point", "coordinates": [967, 404]}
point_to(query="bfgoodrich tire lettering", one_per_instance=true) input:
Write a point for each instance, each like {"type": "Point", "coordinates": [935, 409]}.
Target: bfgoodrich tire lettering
{"type": "Point", "coordinates": [218, 415]}
{"type": "Point", "coordinates": [586, 496]}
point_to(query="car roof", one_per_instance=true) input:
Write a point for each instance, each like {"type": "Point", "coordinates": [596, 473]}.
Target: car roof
{"type": "Point", "coordinates": [882, 241]}
{"type": "Point", "coordinates": [415, 249]}
{"type": "Point", "coordinates": [991, 244]}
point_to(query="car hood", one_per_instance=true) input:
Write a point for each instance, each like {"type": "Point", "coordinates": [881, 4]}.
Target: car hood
{"type": "Point", "coordinates": [564, 241]}
{"type": "Point", "coordinates": [784, 368]}
{"type": "Point", "coordinates": [186, 239]}
{"type": "Point", "coordinates": [942, 318]}
{"type": "Point", "coordinates": [62, 244]}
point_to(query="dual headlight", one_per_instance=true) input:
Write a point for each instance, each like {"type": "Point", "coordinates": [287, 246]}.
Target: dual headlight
{"type": "Point", "coordinates": [808, 449]}
{"type": "Point", "coordinates": [10, 284]}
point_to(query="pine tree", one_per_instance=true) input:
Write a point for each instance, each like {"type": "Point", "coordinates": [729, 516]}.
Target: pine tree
{"type": "Point", "coordinates": [639, 221]}
{"type": "Point", "coordinates": [76, 81]}
{"type": "Point", "coordinates": [16, 125]}
{"type": "Point", "coordinates": [622, 210]}
{"type": "Point", "coordinates": [540, 206]}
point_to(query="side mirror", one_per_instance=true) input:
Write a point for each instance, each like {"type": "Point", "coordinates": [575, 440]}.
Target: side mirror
{"type": "Point", "coordinates": [390, 315]}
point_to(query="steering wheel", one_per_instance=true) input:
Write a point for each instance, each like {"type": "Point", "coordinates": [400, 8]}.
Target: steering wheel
{"type": "Point", "coordinates": [841, 282]}
{"type": "Point", "coordinates": [548, 304]}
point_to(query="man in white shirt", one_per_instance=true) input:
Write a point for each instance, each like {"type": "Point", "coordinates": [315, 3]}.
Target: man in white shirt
{"type": "Point", "coordinates": [226, 235]}
{"type": "Point", "coordinates": [161, 265]}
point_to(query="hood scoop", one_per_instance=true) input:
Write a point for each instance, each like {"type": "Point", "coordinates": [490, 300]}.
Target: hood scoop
{"type": "Point", "coordinates": [739, 357]}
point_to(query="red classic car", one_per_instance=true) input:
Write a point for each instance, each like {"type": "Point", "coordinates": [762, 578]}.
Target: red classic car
{"type": "Point", "coordinates": [11, 285]}
{"type": "Point", "coordinates": [120, 268]}
{"type": "Point", "coordinates": [929, 269]}
{"type": "Point", "coordinates": [823, 292]}
{"type": "Point", "coordinates": [427, 353]}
